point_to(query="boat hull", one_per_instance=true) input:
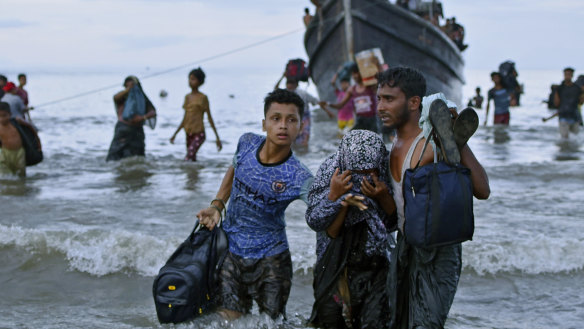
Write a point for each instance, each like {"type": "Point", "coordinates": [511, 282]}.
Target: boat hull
{"type": "Point", "coordinates": [404, 38]}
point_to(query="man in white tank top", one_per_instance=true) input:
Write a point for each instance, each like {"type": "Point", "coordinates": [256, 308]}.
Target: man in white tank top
{"type": "Point", "coordinates": [424, 280]}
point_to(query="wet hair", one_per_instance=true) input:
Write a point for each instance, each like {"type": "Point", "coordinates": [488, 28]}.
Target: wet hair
{"type": "Point", "coordinates": [199, 74]}
{"type": "Point", "coordinates": [410, 81]}
{"type": "Point", "coordinates": [283, 96]}
{"type": "Point", "coordinates": [21, 75]}
{"type": "Point", "coordinates": [4, 107]}
{"type": "Point", "coordinates": [3, 78]}
{"type": "Point", "coordinates": [569, 69]}
{"type": "Point", "coordinates": [495, 73]}
{"type": "Point", "coordinates": [133, 79]}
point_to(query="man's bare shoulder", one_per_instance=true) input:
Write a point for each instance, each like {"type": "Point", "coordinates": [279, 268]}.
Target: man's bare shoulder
{"type": "Point", "coordinates": [402, 151]}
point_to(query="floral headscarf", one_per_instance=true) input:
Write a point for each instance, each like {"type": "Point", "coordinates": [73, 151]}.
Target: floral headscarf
{"type": "Point", "coordinates": [358, 150]}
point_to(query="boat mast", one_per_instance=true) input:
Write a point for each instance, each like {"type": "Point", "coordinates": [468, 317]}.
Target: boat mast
{"type": "Point", "coordinates": [348, 29]}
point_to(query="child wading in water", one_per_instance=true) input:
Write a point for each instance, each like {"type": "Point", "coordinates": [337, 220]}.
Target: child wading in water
{"type": "Point", "coordinates": [345, 117]}
{"type": "Point", "coordinates": [196, 105]}
{"type": "Point", "coordinates": [12, 149]}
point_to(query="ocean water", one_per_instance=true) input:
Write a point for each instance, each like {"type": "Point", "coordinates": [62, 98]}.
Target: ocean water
{"type": "Point", "coordinates": [81, 239]}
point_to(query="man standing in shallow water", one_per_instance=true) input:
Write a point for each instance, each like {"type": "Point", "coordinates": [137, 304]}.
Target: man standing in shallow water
{"type": "Point", "coordinates": [425, 280]}
{"type": "Point", "coordinates": [566, 99]}
{"type": "Point", "coordinates": [263, 180]}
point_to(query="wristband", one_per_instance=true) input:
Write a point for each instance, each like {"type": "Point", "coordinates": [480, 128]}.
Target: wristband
{"type": "Point", "coordinates": [222, 204]}
{"type": "Point", "coordinates": [217, 208]}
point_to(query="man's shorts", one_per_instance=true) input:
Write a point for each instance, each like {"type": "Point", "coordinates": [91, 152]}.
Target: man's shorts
{"type": "Point", "coordinates": [265, 280]}
{"type": "Point", "coordinates": [567, 127]}
{"type": "Point", "coordinates": [13, 162]}
{"type": "Point", "coordinates": [502, 119]}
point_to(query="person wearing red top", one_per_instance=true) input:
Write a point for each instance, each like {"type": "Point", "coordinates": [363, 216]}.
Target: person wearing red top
{"type": "Point", "coordinates": [364, 101]}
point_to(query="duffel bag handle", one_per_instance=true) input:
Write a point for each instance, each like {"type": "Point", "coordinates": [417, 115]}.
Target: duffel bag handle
{"type": "Point", "coordinates": [424, 149]}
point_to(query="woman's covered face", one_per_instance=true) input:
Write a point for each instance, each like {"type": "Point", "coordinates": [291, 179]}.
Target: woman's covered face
{"type": "Point", "coordinates": [363, 153]}
{"type": "Point", "coordinates": [357, 176]}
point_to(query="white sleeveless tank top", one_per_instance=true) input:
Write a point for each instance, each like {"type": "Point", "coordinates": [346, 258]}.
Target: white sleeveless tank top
{"type": "Point", "coordinates": [398, 194]}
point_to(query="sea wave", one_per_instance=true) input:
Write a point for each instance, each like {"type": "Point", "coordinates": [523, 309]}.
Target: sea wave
{"type": "Point", "coordinates": [93, 251]}
{"type": "Point", "coordinates": [100, 252]}
{"type": "Point", "coordinates": [540, 255]}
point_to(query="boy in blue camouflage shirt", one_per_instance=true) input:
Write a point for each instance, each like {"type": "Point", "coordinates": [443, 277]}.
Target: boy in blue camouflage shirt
{"type": "Point", "coordinates": [263, 180]}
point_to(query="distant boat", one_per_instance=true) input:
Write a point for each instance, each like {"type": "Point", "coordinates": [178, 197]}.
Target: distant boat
{"type": "Point", "coordinates": [346, 27]}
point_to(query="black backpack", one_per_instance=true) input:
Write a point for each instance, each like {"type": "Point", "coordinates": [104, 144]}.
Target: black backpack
{"type": "Point", "coordinates": [31, 143]}
{"type": "Point", "coordinates": [550, 102]}
{"type": "Point", "coordinates": [186, 286]}
{"type": "Point", "coordinates": [508, 80]}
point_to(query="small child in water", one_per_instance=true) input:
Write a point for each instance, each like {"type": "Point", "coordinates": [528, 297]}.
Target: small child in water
{"type": "Point", "coordinates": [196, 105]}
{"type": "Point", "coordinates": [12, 155]}
{"type": "Point", "coordinates": [346, 115]}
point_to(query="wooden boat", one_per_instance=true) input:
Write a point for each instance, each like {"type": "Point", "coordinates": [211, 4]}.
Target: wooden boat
{"type": "Point", "coordinates": [342, 28]}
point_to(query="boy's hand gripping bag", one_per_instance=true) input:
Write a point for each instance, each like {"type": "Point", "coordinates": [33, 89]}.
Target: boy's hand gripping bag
{"type": "Point", "coordinates": [438, 204]}
{"type": "Point", "coordinates": [186, 285]}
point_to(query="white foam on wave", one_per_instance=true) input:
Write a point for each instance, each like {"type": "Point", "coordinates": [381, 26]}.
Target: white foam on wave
{"type": "Point", "coordinates": [100, 252]}
{"type": "Point", "coordinates": [93, 251]}
{"type": "Point", "coordinates": [539, 255]}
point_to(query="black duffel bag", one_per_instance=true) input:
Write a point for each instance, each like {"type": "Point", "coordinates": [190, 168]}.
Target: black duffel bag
{"type": "Point", "coordinates": [186, 286]}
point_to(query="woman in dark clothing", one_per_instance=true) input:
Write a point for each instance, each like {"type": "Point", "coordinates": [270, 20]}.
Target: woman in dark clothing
{"type": "Point", "coordinates": [352, 211]}
{"type": "Point", "coordinates": [133, 109]}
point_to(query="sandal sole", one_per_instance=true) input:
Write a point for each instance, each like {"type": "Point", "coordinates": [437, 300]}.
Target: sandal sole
{"type": "Point", "coordinates": [465, 125]}
{"type": "Point", "coordinates": [441, 120]}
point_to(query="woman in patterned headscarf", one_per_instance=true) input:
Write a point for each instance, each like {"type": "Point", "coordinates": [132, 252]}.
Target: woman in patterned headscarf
{"type": "Point", "coordinates": [353, 214]}
{"type": "Point", "coordinates": [134, 109]}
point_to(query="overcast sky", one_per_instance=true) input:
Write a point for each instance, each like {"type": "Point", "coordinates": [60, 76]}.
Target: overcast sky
{"type": "Point", "coordinates": [77, 35]}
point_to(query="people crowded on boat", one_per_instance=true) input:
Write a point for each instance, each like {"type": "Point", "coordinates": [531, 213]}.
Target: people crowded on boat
{"type": "Point", "coordinates": [456, 32]}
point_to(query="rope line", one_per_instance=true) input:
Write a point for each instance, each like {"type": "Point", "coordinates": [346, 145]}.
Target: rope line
{"type": "Point", "coordinates": [206, 59]}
